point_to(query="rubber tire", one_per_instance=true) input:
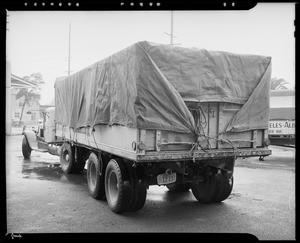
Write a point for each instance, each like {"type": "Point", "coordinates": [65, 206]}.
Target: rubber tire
{"type": "Point", "coordinates": [26, 150]}
{"type": "Point", "coordinates": [138, 192]}
{"type": "Point", "coordinates": [225, 189]}
{"type": "Point", "coordinates": [116, 182]}
{"type": "Point", "coordinates": [68, 166]}
{"type": "Point", "coordinates": [95, 181]}
{"type": "Point", "coordinates": [205, 192]}
{"type": "Point", "coordinates": [178, 187]}
{"type": "Point", "coordinates": [141, 195]}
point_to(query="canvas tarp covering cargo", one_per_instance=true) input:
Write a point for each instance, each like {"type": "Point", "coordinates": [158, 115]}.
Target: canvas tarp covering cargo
{"type": "Point", "coordinates": [146, 86]}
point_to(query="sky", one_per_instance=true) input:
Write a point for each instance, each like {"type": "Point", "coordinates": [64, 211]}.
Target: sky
{"type": "Point", "coordinates": [38, 41]}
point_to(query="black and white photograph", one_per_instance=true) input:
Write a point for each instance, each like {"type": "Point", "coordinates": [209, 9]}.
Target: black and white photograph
{"type": "Point", "coordinates": [151, 121]}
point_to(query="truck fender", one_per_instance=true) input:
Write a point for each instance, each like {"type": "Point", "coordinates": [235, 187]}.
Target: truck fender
{"type": "Point", "coordinates": [31, 139]}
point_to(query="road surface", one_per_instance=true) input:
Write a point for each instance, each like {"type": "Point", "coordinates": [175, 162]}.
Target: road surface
{"type": "Point", "coordinates": [41, 199]}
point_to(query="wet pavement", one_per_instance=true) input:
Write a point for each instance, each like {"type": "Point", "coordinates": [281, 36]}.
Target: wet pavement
{"type": "Point", "coordinates": [42, 199]}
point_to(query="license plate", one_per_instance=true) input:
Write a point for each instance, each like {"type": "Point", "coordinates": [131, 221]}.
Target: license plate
{"type": "Point", "coordinates": [164, 179]}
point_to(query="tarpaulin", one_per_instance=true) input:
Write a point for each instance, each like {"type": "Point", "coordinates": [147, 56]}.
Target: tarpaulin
{"type": "Point", "coordinates": [146, 86]}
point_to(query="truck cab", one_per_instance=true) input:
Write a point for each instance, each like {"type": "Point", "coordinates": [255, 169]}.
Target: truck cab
{"type": "Point", "coordinates": [41, 139]}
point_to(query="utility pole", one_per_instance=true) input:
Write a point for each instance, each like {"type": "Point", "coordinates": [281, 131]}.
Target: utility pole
{"type": "Point", "coordinates": [171, 31]}
{"type": "Point", "coordinates": [69, 57]}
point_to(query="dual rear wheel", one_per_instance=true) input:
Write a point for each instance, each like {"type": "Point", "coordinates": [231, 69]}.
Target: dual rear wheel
{"type": "Point", "coordinates": [125, 190]}
{"type": "Point", "coordinates": [120, 184]}
{"type": "Point", "coordinates": [215, 187]}
{"type": "Point", "coordinates": [116, 181]}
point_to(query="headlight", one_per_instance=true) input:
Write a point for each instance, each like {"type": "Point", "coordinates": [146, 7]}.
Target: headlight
{"type": "Point", "coordinates": [267, 142]}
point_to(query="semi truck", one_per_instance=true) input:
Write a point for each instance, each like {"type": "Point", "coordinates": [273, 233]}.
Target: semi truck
{"type": "Point", "coordinates": [156, 114]}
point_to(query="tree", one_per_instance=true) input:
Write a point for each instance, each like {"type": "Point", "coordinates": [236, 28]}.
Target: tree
{"type": "Point", "coordinates": [278, 83]}
{"type": "Point", "coordinates": [30, 94]}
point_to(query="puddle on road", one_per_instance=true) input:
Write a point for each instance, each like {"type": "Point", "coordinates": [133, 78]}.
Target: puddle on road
{"type": "Point", "coordinates": [41, 171]}
{"type": "Point", "coordinates": [36, 169]}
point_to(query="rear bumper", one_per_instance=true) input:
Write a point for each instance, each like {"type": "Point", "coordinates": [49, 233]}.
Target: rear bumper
{"type": "Point", "coordinates": [154, 156]}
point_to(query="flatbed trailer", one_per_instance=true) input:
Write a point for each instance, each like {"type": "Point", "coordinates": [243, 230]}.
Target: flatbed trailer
{"type": "Point", "coordinates": [141, 145]}
{"type": "Point", "coordinates": [194, 149]}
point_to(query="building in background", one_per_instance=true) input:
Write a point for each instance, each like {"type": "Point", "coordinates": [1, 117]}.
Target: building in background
{"type": "Point", "coordinates": [282, 117]}
{"type": "Point", "coordinates": [31, 113]}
